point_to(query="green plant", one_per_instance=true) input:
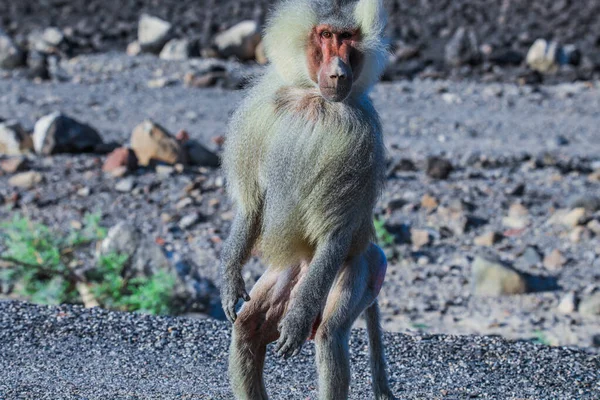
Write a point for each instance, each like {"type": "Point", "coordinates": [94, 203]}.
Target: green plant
{"type": "Point", "coordinates": [541, 338]}
{"type": "Point", "coordinates": [148, 295]}
{"type": "Point", "coordinates": [384, 237]}
{"type": "Point", "coordinates": [40, 266]}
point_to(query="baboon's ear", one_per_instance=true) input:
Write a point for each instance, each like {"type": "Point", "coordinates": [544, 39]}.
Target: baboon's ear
{"type": "Point", "coordinates": [371, 16]}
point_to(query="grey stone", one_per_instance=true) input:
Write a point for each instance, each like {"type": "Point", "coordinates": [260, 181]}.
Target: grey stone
{"type": "Point", "coordinates": [463, 48]}
{"type": "Point", "coordinates": [11, 56]}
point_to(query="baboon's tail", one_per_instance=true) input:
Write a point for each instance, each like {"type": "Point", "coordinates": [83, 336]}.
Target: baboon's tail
{"type": "Point", "coordinates": [377, 354]}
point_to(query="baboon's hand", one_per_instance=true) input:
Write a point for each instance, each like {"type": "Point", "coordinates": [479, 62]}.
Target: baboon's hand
{"type": "Point", "coordinates": [233, 289]}
{"type": "Point", "coordinates": [294, 329]}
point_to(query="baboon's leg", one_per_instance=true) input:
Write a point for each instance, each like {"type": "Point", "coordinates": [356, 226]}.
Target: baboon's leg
{"type": "Point", "coordinates": [255, 327]}
{"type": "Point", "coordinates": [356, 288]}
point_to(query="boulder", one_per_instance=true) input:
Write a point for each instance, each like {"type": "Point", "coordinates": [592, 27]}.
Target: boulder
{"type": "Point", "coordinates": [239, 41]}
{"type": "Point", "coordinates": [151, 142]}
{"type": "Point", "coordinates": [492, 277]}
{"type": "Point", "coordinates": [179, 49]}
{"type": "Point", "coordinates": [153, 33]}
{"type": "Point", "coordinates": [11, 56]}
{"type": "Point", "coordinates": [14, 140]}
{"type": "Point", "coordinates": [58, 133]}
{"type": "Point", "coordinates": [462, 48]}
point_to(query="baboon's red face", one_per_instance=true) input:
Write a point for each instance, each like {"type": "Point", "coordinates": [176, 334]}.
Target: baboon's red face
{"type": "Point", "coordinates": [334, 60]}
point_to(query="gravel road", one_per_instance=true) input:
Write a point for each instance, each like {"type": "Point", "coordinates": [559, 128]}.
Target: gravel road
{"type": "Point", "coordinates": [74, 353]}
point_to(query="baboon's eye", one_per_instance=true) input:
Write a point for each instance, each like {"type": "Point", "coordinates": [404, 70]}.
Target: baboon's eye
{"type": "Point", "coordinates": [346, 35]}
{"type": "Point", "coordinates": [326, 35]}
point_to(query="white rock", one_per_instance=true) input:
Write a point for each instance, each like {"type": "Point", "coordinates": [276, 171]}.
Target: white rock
{"type": "Point", "coordinates": [14, 140]}
{"type": "Point", "coordinates": [239, 41]}
{"type": "Point", "coordinates": [542, 56]}
{"type": "Point", "coordinates": [177, 49]}
{"type": "Point", "coordinates": [153, 33]}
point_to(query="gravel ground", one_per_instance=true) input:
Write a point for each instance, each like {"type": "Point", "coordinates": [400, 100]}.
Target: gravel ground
{"type": "Point", "coordinates": [74, 353]}
{"type": "Point", "coordinates": [534, 146]}
{"type": "Point", "coordinates": [425, 26]}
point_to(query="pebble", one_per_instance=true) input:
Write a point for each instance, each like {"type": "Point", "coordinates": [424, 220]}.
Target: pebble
{"type": "Point", "coordinates": [555, 260]}
{"type": "Point", "coordinates": [188, 221]}
{"type": "Point", "coordinates": [125, 185]}
{"type": "Point", "coordinates": [26, 180]}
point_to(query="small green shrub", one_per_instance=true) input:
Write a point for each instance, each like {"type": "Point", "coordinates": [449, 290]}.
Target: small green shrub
{"type": "Point", "coordinates": [39, 265]}
{"type": "Point", "coordinates": [384, 237]}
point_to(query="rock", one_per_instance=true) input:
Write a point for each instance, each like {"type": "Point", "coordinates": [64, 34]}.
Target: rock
{"type": "Point", "coordinates": [453, 218]}
{"type": "Point", "coordinates": [200, 156]}
{"type": "Point", "coordinates": [596, 340]}
{"type": "Point", "coordinates": [589, 202]}
{"type": "Point", "coordinates": [428, 202]}
{"type": "Point", "coordinates": [134, 49]}
{"type": "Point", "coordinates": [491, 277]}
{"type": "Point", "coordinates": [530, 257]}
{"type": "Point", "coordinates": [505, 57]}
{"type": "Point", "coordinates": [84, 191]}
{"type": "Point", "coordinates": [439, 168]}
{"type": "Point", "coordinates": [555, 260]}
{"type": "Point", "coordinates": [590, 306]}
{"type": "Point", "coordinates": [462, 48]}
{"type": "Point", "coordinates": [151, 142]}
{"type": "Point", "coordinates": [580, 233]}
{"type": "Point", "coordinates": [180, 49]}
{"type": "Point", "coordinates": [260, 54]}
{"type": "Point", "coordinates": [47, 41]}
{"type": "Point", "coordinates": [125, 185]}
{"type": "Point", "coordinates": [420, 237]}
{"type": "Point", "coordinates": [189, 220]}
{"type": "Point", "coordinates": [518, 190]}
{"type": "Point", "coordinates": [204, 79]}
{"type": "Point", "coordinates": [13, 164]}
{"type": "Point", "coordinates": [153, 33]}
{"type": "Point", "coordinates": [26, 180]}
{"type": "Point", "coordinates": [57, 133]}
{"type": "Point", "coordinates": [161, 82]}
{"type": "Point", "coordinates": [568, 304]}
{"type": "Point", "coordinates": [487, 239]}
{"type": "Point", "coordinates": [122, 239]}
{"type": "Point", "coordinates": [37, 63]}
{"type": "Point", "coordinates": [121, 157]}
{"type": "Point", "coordinates": [518, 217]}
{"type": "Point", "coordinates": [542, 56]}
{"type": "Point", "coordinates": [594, 226]}
{"type": "Point", "coordinates": [405, 165]}
{"type": "Point", "coordinates": [546, 57]}
{"type": "Point", "coordinates": [14, 140]}
{"type": "Point", "coordinates": [11, 56]}
{"type": "Point", "coordinates": [164, 170]}
{"type": "Point", "coordinates": [239, 41]}
{"type": "Point", "coordinates": [569, 218]}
